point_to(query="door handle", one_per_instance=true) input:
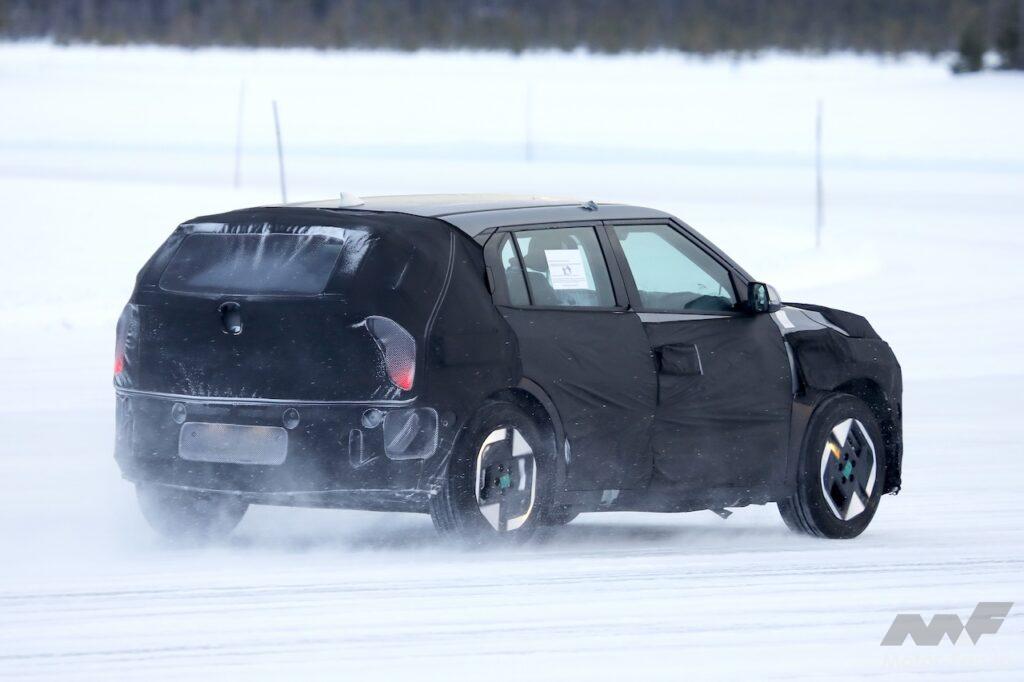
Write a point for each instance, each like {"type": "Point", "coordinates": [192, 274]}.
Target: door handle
{"type": "Point", "coordinates": [681, 359]}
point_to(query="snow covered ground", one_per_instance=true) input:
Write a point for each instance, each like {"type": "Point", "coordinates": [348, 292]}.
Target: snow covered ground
{"type": "Point", "coordinates": [103, 151]}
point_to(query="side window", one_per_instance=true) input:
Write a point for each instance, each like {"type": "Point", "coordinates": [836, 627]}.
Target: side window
{"type": "Point", "coordinates": [513, 273]}
{"type": "Point", "coordinates": [671, 273]}
{"type": "Point", "coordinates": [565, 267]}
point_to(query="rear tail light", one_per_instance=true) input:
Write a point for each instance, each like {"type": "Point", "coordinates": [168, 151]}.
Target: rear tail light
{"type": "Point", "coordinates": [127, 338]}
{"type": "Point", "coordinates": [398, 347]}
{"type": "Point", "coordinates": [119, 343]}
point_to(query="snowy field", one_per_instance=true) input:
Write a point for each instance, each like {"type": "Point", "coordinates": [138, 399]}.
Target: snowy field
{"type": "Point", "coordinates": [103, 151]}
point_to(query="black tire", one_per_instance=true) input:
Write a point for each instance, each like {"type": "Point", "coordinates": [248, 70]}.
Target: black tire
{"type": "Point", "coordinates": [457, 509]}
{"type": "Point", "coordinates": [185, 515]}
{"type": "Point", "coordinates": [853, 494]}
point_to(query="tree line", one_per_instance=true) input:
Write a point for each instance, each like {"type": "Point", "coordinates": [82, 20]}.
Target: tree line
{"type": "Point", "coordinates": [606, 26]}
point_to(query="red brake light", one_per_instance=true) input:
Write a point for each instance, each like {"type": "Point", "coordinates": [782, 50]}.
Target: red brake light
{"type": "Point", "coordinates": [127, 337]}
{"type": "Point", "coordinates": [119, 344]}
{"type": "Point", "coordinates": [398, 347]}
{"type": "Point", "coordinates": [403, 377]}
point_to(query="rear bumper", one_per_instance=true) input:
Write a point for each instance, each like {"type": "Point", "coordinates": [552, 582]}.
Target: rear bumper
{"type": "Point", "coordinates": [358, 455]}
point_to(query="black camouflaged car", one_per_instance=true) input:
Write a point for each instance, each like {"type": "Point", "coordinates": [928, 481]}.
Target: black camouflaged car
{"type": "Point", "coordinates": [502, 364]}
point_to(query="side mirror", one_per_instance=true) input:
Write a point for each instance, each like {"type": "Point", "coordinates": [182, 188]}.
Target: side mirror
{"type": "Point", "coordinates": [761, 297]}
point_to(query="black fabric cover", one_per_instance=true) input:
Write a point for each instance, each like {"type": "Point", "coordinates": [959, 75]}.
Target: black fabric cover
{"type": "Point", "coordinates": [727, 426]}
{"type": "Point", "coordinates": [826, 359]}
{"type": "Point", "coordinates": [599, 371]}
{"type": "Point", "coordinates": [293, 347]}
{"type": "Point", "coordinates": [854, 325]}
{"type": "Point", "coordinates": [680, 360]}
{"type": "Point", "coordinates": [472, 354]}
{"type": "Point", "coordinates": [863, 366]}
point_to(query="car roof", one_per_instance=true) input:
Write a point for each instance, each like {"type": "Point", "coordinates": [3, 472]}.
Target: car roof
{"type": "Point", "coordinates": [474, 213]}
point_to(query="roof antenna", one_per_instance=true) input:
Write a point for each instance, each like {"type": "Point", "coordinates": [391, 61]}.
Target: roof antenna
{"type": "Point", "coordinates": [347, 199]}
{"type": "Point", "coordinates": [280, 154]}
{"type": "Point", "coordinates": [589, 206]}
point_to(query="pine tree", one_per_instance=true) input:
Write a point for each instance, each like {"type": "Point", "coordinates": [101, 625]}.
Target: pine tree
{"type": "Point", "coordinates": [971, 49]}
{"type": "Point", "coordinates": [1008, 36]}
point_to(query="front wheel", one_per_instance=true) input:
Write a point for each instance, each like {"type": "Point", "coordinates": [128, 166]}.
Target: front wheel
{"type": "Point", "coordinates": [499, 479]}
{"type": "Point", "coordinates": [187, 515]}
{"type": "Point", "coordinates": [841, 472]}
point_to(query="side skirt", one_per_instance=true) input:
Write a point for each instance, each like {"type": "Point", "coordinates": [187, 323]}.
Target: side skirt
{"type": "Point", "coordinates": [662, 499]}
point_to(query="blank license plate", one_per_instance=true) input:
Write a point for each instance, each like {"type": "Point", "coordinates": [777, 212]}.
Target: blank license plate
{"type": "Point", "coordinates": [232, 443]}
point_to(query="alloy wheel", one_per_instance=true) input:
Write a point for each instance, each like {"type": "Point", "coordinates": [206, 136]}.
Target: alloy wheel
{"type": "Point", "coordinates": [848, 469]}
{"type": "Point", "coordinates": [506, 479]}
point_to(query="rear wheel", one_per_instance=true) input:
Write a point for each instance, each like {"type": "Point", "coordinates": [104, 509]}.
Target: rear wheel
{"type": "Point", "coordinates": [187, 515]}
{"type": "Point", "coordinates": [499, 480]}
{"type": "Point", "coordinates": [841, 473]}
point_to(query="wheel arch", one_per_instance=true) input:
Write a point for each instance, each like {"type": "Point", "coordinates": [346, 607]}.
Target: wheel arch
{"type": "Point", "coordinates": [872, 394]}
{"type": "Point", "coordinates": [528, 396]}
{"type": "Point", "coordinates": [828, 362]}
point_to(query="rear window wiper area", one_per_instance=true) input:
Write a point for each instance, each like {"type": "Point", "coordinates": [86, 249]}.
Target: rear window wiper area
{"type": "Point", "coordinates": [275, 264]}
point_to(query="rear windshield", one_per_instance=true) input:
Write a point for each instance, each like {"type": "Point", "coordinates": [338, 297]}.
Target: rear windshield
{"type": "Point", "coordinates": [267, 263]}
